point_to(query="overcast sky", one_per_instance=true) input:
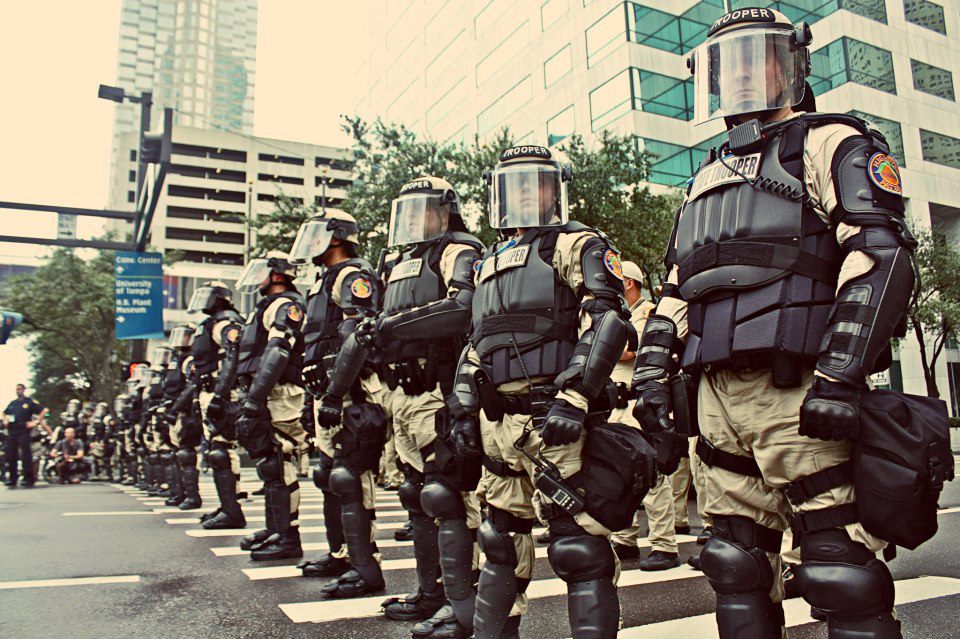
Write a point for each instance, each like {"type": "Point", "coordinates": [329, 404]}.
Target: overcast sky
{"type": "Point", "coordinates": [55, 134]}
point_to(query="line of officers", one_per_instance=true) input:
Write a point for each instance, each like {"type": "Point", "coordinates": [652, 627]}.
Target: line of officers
{"type": "Point", "coordinates": [517, 383]}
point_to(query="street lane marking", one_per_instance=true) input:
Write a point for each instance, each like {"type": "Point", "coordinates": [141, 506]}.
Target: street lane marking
{"type": "Point", "coordinates": [106, 513]}
{"type": "Point", "coordinates": [333, 609]}
{"type": "Point", "coordinates": [233, 531]}
{"type": "Point", "coordinates": [796, 611]}
{"type": "Point", "coordinates": [947, 511]}
{"type": "Point", "coordinates": [76, 581]}
{"type": "Point", "coordinates": [234, 551]}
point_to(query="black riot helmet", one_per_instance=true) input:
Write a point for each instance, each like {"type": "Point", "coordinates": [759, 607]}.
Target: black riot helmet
{"type": "Point", "coordinates": [262, 272]}
{"type": "Point", "coordinates": [426, 208]}
{"type": "Point", "coordinates": [210, 298]}
{"type": "Point", "coordinates": [317, 233]}
{"type": "Point", "coordinates": [528, 188]}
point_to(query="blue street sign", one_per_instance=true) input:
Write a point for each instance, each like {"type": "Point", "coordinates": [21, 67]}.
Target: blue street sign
{"type": "Point", "coordinates": [138, 295]}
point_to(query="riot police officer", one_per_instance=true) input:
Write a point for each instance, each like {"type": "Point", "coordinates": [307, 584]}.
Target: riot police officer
{"type": "Point", "coordinates": [118, 429]}
{"type": "Point", "coordinates": [549, 325]}
{"type": "Point", "coordinates": [214, 352]}
{"type": "Point", "coordinates": [168, 472]}
{"type": "Point", "coordinates": [183, 414]}
{"type": "Point", "coordinates": [269, 373]}
{"type": "Point", "coordinates": [98, 441]}
{"type": "Point", "coordinates": [174, 384]}
{"type": "Point", "coordinates": [416, 339]}
{"type": "Point", "coordinates": [789, 273]}
{"type": "Point", "coordinates": [347, 291]}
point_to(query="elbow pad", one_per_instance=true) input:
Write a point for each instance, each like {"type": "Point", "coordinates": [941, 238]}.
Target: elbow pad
{"type": "Point", "coordinates": [184, 399]}
{"type": "Point", "coordinates": [443, 318]}
{"type": "Point", "coordinates": [595, 355]}
{"type": "Point", "coordinates": [660, 350]}
{"type": "Point", "coordinates": [227, 376]}
{"type": "Point", "coordinates": [868, 308]}
{"type": "Point", "coordinates": [350, 361]}
{"type": "Point", "coordinates": [272, 365]}
{"type": "Point", "coordinates": [466, 399]}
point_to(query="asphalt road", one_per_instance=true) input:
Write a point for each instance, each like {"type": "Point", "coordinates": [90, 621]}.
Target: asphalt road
{"type": "Point", "coordinates": [154, 578]}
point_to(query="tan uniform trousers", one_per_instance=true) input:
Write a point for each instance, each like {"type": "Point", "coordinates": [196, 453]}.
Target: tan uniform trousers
{"type": "Point", "coordinates": [230, 444]}
{"type": "Point", "coordinates": [517, 495]}
{"type": "Point", "coordinates": [285, 404]}
{"type": "Point", "coordinates": [389, 473]}
{"type": "Point", "coordinates": [688, 474]}
{"type": "Point", "coordinates": [743, 414]}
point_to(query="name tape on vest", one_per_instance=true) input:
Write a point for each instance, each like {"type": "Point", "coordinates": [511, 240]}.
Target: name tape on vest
{"type": "Point", "coordinates": [718, 174]}
{"type": "Point", "coordinates": [405, 269]}
{"type": "Point", "coordinates": [511, 258]}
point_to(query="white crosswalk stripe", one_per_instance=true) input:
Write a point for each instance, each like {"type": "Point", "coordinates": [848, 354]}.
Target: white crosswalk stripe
{"type": "Point", "coordinates": [400, 564]}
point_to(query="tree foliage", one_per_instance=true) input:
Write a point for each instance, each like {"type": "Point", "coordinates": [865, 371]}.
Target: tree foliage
{"type": "Point", "coordinates": [68, 309]}
{"type": "Point", "coordinates": [606, 193]}
{"type": "Point", "coordinates": [935, 318]}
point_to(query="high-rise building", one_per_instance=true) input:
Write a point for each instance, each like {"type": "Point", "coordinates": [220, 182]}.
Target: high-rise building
{"type": "Point", "coordinates": [196, 56]}
{"type": "Point", "coordinates": [216, 182]}
{"type": "Point", "coordinates": [451, 69]}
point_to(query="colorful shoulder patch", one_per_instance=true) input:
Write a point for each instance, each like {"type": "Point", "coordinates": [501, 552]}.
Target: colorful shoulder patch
{"type": "Point", "coordinates": [611, 259]}
{"type": "Point", "coordinates": [233, 334]}
{"type": "Point", "coordinates": [294, 313]}
{"type": "Point", "coordinates": [884, 172]}
{"type": "Point", "coordinates": [361, 288]}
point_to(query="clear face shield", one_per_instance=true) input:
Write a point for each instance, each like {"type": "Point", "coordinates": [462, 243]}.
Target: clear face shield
{"type": "Point", "coordinates": [181, 337]}
{"type": "Point", "coordinates": [253, 275]}
{"type": "Point", "coordinates": [100, 410]}
{"type": "Point", "coordinates": [202, 299]}
{"type": "Point", "coordinates": [528, 195]}
{"type": "Point", "coordinates": [748, 71]}
{"type": "Point", "coordinates": [73, 407]}
{"type": "Point", "coordinates": [132, 386]}
{"type": "Point", "coordinates": [118, 403]}
{"type": "Point", "coordinates": [418, 217]}
{"type": "Point", "coordinates": [313, 239]}
{"type": "Point", "coordinates": [161, 356]}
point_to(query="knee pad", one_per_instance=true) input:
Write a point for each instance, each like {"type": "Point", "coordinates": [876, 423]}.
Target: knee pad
{"type": "Point", "coordinates": [409, 492]}
{"type": "Point", "coordinates": [218, 458]}
{"type": "Point", "coordinates": [440, 502]}
{"type": "Point", "coordinates": [841, 577]}
{"type": "Point", "coordinates": [167, 457]}
{"type": "Point", "coordinates": [141, 452]}
{"type": "Point", "coordinates": [581, 558]}
{"type": "Point", "coordinates": [732, 569]}
{"type": "Point", "coordinates": [186, 457]}
{"type": "Point", "coordinates": [497, 545]}
{"type": "Point", "coordinates": [155, 458]}
{"type": "Point", "coordinates": [346, 484]}
{"type": "Point", "coordinates": [270, 468]}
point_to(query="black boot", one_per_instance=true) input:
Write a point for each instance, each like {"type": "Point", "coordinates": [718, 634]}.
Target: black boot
{"type": "Point", "coordinates": [442, 625]}
{"type": "Point", "coordinates": [429, 597]}
{"type": "Point", "coordinates": [326, 566]}
{"type": "Point", "coordinates": [222, 521]}
{"type": "Point", "coordinates": [415, 606]}
{"type": "Point", "coordinates": [285, 542]}
{"type": "Point", "coordinates": [366, 576]}
{"type": "Point", "coordinates": [284, 545]}
{"type": "Point", "coordinates": [254, 540]}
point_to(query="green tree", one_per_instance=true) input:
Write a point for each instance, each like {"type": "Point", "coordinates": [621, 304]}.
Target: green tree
{"type": "Point", "coordinates": [68, 310]}
{"type": "Point", "coordinates": [276, 231]}
{"type": "Point", "coordinates": [935, 318]}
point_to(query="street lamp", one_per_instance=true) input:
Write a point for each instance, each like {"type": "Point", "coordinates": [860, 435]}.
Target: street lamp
{"type": "Point", "coordinates": [145, 100]}
{"type": "Point", "coordinates": [324, 172]}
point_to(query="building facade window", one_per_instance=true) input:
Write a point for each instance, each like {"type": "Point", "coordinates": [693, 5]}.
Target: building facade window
{"type": "Point", "coordinates": [559, 65]}
{"type": "Point", "coordinates": [561, 126]}
{"type": "Point", "coordinates": [848, 60]}
{"type": "Point", "coordinates": [932, 80]}
{"type": "Point", "coordinates": [926, 14]}
{"type": "Point", "coordinates": [446, 104]}
{"type": "Point", "coordinates": [499, 58]}
{"type": "Point", "coordinates": [606, 34]}
{"type": "Point", "coordinates": [662, 94]}
{"type": "Point", "coordinates": [551, 11]}
{"type": "Point", "coordinates": [495, 114]}
{"type": "Point", "coordinates": [610, 100]}
{"type": "Point", "coordinates": [940, 149]}
{"type": "Point", "coordinates": [891, 130]}
{"type": "Point", "coordinates": [673, 164]}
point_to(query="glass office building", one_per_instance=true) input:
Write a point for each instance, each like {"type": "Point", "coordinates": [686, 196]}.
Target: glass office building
{"type": "Point", "coordinates": [452, 69]}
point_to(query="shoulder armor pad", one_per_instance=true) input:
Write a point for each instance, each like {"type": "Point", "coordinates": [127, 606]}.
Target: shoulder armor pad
{"type": "Point", "coordinates": [866, 179]}
{"type": "Point", "coordinates": [573, 226]}
{"type": "Point", "coordinates": [602, 268]}
{"type": "Point", "coordinates": [463, 269]}
{"type": "Point", "coordinates": [290, 314]}
{"type": "Point", "coordinates": [228, 314]}
{"type": "Point", "coordinates": [459, 237]}
{"type": "Point", "coordinates": [361, 291]}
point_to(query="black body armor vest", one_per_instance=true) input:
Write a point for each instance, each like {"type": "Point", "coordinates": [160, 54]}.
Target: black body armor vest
{"type": "Point", "coordinates": [175, 381]}
{"type": "Point", "coordinates": [757, 266]}
{"type": "Point", "coordinates": [206, 353]}
{"type": "Point", "coordinates": [321, 333]}
{"type": "Point", "coordinates": [253, 341]}
{"type": "Point", "coordinates": [99, 429]}
{"type": "Point", "coordinates": [521, 305]}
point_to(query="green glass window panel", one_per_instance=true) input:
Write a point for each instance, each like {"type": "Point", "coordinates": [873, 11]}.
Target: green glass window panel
{"type": "Point", "coordinates": [496, 114]}
{"type": "Point", "coordinates": [610, 100]}
{"type": "Point", "coordinates": [891, 130]}
{"type": "Point", "coordinates": [605, 35]}
{"type": "Point", "coordinates": [559, 65]}
{"type": "Point", "coordinates": [873, 9]}
{"type": "Point", "coordinates": [932, 80]}
{"type": "Point", "coordinates": [926, 14]}
{"type": "Point", "coordinates": [671, 164]}
{"type": "Point", "coordinates": [848, 60]}
{"type": "Point", "coordinates": [653, 28]}
{"type": "Point", "coordinates": [561, 126]}
{"type": "Point", "coordinates": [940, 149]}
{"type": "Point", "coordinates": [664, 95]}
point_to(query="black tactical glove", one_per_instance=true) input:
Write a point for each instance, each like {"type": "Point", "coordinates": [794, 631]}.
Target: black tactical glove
{"type": "Point", "coordinates": [653, 407]}
{"type": "Point", "coordinates": [830, 410]}
{"type": "Point", "coordinates": [330, 412]}
{"type": "Point", "coordinates": [563, 424]}
{"type": "Point", "coordinates": [368, 333]}
{"type": "Point", "coordinates": [465, 435]}
{"type": "Point", "coordinates": [314, 379]}
{"type": "Point", "coordinates": [170, 417]}
{"type": "Point", "coordinates": [215, 408]}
